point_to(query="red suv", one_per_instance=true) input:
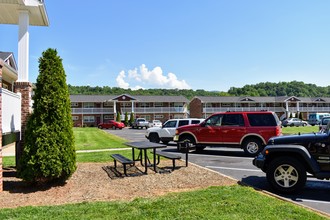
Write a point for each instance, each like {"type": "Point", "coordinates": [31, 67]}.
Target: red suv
{"type": "Point", "coordinates": [248, 130]}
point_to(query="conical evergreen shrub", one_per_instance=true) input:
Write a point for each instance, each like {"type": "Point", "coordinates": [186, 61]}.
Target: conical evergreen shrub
{"type": "Point", "coordinates": [49, 153]}
{"type": "Point", "coordinates": [126, 118]}
{"type": "Point", "coordinates": [131, 119]}
{"type": "Point", "coordinates": [118, 118]}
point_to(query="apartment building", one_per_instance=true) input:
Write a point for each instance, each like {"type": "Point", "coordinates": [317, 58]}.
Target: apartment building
{"type": "Point", "coordinates": [90, 110]}
{"type": "Point", "coordinates": [284, 106]}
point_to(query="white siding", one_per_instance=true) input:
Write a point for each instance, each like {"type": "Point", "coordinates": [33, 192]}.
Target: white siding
{"type": "Point", "coordinates": [11, 111]}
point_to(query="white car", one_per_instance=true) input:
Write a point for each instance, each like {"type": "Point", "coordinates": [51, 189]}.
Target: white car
{"type": "Point", "coordinates": [155, 123]}
{"type": "Point", "coordinates": [166, 133]}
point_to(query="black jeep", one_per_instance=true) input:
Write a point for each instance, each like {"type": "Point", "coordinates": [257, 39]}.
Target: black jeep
{"type": "Point", "coordinates": [287, 159]}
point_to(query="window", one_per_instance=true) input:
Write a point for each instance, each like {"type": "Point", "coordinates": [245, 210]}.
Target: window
{"type": "Point", "coordinates": [158, 104]}
{"type": "Point", "coordinates": [89, 118]}
{"type": "Point", "coordinates": [75, 118]}
{"type": "Point", "coordinates": [108, 117]}
{"type": "Point", "coordinates": [262, 120]}
{"type": "Point", "coordinates": [170, 124]}
{"type": "Point", "coordinates": [108, 104]}
{"type": "Point", "coordinates": [215, 120]}
{"type": "Point", "coordinates": [232, 120]}
{"type": "Point", "coordinates": [159, 116]}
{"type": "Point", "coordinates": [144, 104]}
{"type": "Point", "coordinates": [88, 105]}
{"type": "Point", "coordinates": [195, 121]}
{"type": "Point", "coordinates": [126, 104]}
{"type": "Point", "coordinates": [74, 104]}
{"type": "Point", "coordinates": [183, 122]}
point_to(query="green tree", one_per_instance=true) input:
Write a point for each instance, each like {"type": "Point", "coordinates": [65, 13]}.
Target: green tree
{"type": "Point", "coordinates": [118, 118]}
{"type": "Point", "coordinates": [126, 118]}
{"type": "Point", "coordinates": [131, 118]}
{"type": "Point", "coordinates": [49, 153]}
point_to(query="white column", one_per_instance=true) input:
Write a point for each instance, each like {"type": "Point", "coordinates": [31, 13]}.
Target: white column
{"type": "Point", "coordinates": [133, 106]}
{"type": "Point", "coordinates": [286, 106]}
{"type": "Point", "coordinates": [23, 47]}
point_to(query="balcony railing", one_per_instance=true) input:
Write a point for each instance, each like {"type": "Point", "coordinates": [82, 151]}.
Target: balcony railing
{"type": "Point", "coordinates": [92, 110]}
{"type": "Point", "coordinates": [310, 109]}
{"type": "Point", "coordinates": [11, 111]}
{"type": "Point", "coordinates": [224, 109]}
{"type": "Point", "coordinates": [157, 110]}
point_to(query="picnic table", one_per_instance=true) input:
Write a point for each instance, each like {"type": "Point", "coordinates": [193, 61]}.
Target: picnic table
{"type": "Point", "coordinates": [143, 146]}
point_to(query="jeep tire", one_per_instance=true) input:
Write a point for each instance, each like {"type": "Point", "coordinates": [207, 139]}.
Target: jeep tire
{"type": "Point", "coordinates": [286, 174]}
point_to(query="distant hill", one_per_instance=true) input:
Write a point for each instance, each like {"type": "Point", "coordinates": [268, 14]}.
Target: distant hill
{"type": "Point", "coordinates": [294, 88]}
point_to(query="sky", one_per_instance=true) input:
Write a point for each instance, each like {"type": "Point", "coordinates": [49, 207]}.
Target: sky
{"type": "Point", "coordinates": [183, 44]}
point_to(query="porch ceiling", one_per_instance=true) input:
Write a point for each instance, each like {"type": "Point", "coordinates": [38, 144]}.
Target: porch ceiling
{"type": "Point", "coordinates": [9, 11]}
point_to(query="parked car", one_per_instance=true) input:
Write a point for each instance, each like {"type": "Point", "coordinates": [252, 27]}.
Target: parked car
{"type": "Point", "coordinates": [155, 123]}
{"type": "Point", "coordinates": [111, 124]}
{"type": "Point", "coordinates": [286, 160]}
{"type": "Point", "coordinates": [248, 130]}
{"type": "Point", "coordinates": [324, 123]}
{"type": "Point", "coordinates": [315, 118]}
{"type": "Point", "coordinates": [167, 131]}
{"type": "Point", "coordinates": [294, 122]}
{"type": "Point", "coordinates": [140, 123]}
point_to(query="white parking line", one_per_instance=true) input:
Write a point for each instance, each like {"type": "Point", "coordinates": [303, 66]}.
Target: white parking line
{"type": "Point", "coordinates": [228, 168]}
{"type": "Point", "coordinates": [205, 155]}
{"type": "Point", "coordinates": [311, 201]}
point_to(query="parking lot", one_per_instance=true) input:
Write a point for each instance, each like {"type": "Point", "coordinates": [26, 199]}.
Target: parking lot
{"type": "Point", "coordinates": [233, 163]}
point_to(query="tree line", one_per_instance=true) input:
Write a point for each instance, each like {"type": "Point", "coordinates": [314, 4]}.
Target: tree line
{"type": "Point", "coordinates": [293, 88]}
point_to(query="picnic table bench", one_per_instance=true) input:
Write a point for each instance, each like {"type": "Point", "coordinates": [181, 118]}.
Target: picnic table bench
{"type": "Point", "coordinates": [167, 155]}
{"type": "Point", "coordinates": [123, 160]}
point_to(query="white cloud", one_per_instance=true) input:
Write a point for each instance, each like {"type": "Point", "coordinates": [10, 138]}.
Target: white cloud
{"type": "Point", "coordinates": [121, 80]}
{"type": "Point", "coordinates": [150, 78]}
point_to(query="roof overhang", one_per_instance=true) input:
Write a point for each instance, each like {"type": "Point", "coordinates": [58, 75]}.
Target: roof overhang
{"type": "Point", "coordinates": [9, 11]}
{"type": "Point", "coordinates": [9, 74]}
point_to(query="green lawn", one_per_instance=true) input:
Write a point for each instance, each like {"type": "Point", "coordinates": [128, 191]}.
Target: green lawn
{"type": "Point", "coordinates": [296, 130]}
{"type": "Point", "coordinates": [94, 138]}
{"type": "Point", "coordinates": [230, 202]}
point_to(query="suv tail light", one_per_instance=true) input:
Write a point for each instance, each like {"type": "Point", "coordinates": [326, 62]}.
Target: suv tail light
{"type": "Point", "coordinates": [278, 130]}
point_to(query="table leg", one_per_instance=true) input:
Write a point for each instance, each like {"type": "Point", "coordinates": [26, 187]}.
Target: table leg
{"type": "Point", "coordinates": [133, 155]}
{"type": "Point", "coordinates": [154, 153]}
{"type": "Point", "coordinates": [145, 161]}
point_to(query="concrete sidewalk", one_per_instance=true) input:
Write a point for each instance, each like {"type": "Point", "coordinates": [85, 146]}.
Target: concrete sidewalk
{"type": "Point", "coordinates": [9, 150]}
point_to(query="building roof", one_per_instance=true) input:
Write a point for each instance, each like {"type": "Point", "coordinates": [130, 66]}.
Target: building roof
{"type": "Point", "coordinates": [8, 58]}
{"type": "Point", "coordinates": [9, 11]}
{"type": "Point", "coordinates": [266, 99]}
{"type": "Point", "coordinates": [104, 98]}
{"type": "Point", "coordinates": [91, 98]}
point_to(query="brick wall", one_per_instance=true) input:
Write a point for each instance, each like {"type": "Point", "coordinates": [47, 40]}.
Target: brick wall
{"type": "Point", "coordinates": [1, 171]}
{"type": "Point", "coordinates": [25, 89]}
{"type": "Point", "coordinates": [196, 108]}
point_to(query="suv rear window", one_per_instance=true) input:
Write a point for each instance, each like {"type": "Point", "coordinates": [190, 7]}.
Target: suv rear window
{"type": "Point", "coordinates": [262, 119]}
{"type": "Point", "coordinates": [195, 121]}
{"type": "Point", "coordinates": [183, 122]}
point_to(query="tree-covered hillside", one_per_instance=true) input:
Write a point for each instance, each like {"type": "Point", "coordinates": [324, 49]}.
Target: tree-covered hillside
{"type": "Point", "coordinates": [293, 88]}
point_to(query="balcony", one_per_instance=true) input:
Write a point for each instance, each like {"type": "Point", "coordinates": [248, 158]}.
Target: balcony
{"type": "Point", "coordinates": [237, 109]}
{"type": "Point", "coordinates": [152, 110]}
{"type": "Point", "coordinates": [310, 109]}
{"type": "Point", "coordinates": [159, 110]}
{"type": "Point", "coordinates": [92, 111]}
